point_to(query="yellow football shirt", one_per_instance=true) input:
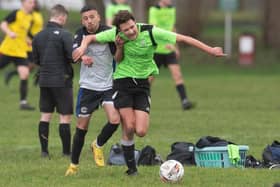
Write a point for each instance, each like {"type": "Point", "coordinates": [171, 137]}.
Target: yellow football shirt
{"type": "Point", "coordinates": [19, 22]}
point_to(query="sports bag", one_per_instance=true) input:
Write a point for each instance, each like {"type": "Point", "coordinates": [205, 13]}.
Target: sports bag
{"type": "Point", "coordinates": [116, 156]}
{"type": "Point", "coordinates": [149, 157]}
{"type": "Point", "coordinates": [182, 152]}
{"type": "Point", "coordinates": [271, 154]}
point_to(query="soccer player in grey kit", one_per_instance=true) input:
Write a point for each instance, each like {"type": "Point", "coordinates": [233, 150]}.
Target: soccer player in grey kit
{"type": "Point", "coordinates": [96, 80]}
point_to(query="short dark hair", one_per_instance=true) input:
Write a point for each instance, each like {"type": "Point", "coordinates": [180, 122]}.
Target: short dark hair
{"type": "Point", "coordinates": [87, 8]}
{"type": "Point", "coordinates": [121, 17]}
{"type": "Point", "coordinates": [58, 10]}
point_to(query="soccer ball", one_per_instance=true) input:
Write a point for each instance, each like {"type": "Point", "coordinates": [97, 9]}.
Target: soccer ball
{"type": "Point", "coordinates": [171, 171]}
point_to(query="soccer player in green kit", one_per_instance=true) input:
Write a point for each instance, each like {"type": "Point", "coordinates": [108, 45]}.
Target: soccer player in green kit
{"type": "Point", "coordinates": [163, 15]}
{"type": "Point", "coordinates": [113, 8]}
{"type": "Point", "coordinates": [131, 86]}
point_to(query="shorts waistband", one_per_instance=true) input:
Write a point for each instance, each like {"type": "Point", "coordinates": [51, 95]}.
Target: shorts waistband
{"type": "Point", "coordinates": [131, 82]}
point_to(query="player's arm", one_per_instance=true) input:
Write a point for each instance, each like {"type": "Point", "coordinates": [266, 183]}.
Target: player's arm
{"type": "Point", "coordinates": [80, 51]}
{"type": "Point", "coordinates": [215, 51]}
{"type": "Point", "coordinates": [5, 24]}
{"type": "Point", "coordinates": [68, 44]}
{"type": "Point", "coordinates": [119, 49]}
{"type": "Point", "coordinates": [35, 52]}
{"type": "Point", "coordinates": [78, 38]}
{"type": "Point", "coordinates": [6, 30]}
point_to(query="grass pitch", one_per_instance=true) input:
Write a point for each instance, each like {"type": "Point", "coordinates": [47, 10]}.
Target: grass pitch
{"type": "Point", "coordinates": [235, 103]}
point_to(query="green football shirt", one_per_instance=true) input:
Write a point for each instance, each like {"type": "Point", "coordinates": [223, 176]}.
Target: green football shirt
{"type": "Point", "coordinates": [165, 18]}
{"type": "Point", "coordinates": [138, 54]}
{"type": "Point", "coordinates": [114, 8]}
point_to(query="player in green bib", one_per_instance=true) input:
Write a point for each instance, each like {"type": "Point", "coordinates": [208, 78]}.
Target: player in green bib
{"type": "Point", "coordinates": [135, 47]}
{"type": "Point", "coordinates": [113, 8]}
{"type": "Point", "coordinates": [163, 15]}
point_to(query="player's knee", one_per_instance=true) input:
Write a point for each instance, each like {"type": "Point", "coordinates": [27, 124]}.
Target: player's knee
{"type": "Point", "coordinates": [115, 120]}
{"type": "Point", "coordinates": [82, 125]}
{"type": "Point", "coordinates": [65, 119]}
{"type": "Point", "coordinates": [141, 132]}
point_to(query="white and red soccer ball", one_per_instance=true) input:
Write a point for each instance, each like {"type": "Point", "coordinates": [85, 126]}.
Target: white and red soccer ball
{"type": "Point", "coordinates": [171, 171]}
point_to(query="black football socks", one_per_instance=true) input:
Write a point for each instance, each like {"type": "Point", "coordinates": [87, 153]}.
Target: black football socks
{"type": "Point", "coordinates": [78, 143]}
{"type": "Point", "coordinates": [43, 132]}
{"type": "Point", "coordinates": [182, 92]}
{"type": "Point", "coordinates": [128, 151]}
{"type": "Point", "coordinates": [23, 89]}
{"type": "Point", "coordinates": [65, 136]}
{"type": "Point", "coordinates": [106, 133]}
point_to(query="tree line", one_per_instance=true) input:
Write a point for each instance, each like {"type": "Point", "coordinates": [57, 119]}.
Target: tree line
{"type": "Point", "coordinates": [192, 13]}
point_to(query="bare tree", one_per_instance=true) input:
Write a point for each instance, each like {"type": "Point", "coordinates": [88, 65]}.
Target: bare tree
{"type": "Point", "coordinates": [189, 17]}
{"type": "Point", "coordinates": [271, 23]}
{"type": "Point", "coordinates": [140, 9]}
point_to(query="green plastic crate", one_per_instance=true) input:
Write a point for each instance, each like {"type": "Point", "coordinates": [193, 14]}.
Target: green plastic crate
{"type": "Point", "coordinates": [217, 157]}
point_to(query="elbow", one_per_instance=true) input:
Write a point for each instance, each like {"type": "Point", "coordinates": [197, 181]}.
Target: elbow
{"type": "Point", "coordinates": [2, 26]}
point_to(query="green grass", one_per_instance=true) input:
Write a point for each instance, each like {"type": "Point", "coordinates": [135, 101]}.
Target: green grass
{"type": "Point", "coordinates": [236, 103]}
{"type": "Point", "coordinates": [240, 104]}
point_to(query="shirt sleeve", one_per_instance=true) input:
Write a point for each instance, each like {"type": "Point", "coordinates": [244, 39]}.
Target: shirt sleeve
{"type": "Point", "coordinates": [35, 52]}
{"type": "Point", "coordinates": [78, 37]}
{"type": "Point", "coordinates": [68, 43]}
{"type": "Point", "coordinates": [11, 17]}
{"type": "Point", "coordinates": [162, 36]}
{"type": "Point", "coordinates": [106, 36]}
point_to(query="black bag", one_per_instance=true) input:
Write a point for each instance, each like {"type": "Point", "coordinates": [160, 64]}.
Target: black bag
{"type": "Point", "coordinates": [209, 141]}
{"type": "Point", "coordinates": [116, 155]}
{"type": "Point", "coordinates": [271, 154]}
{"type": "Point", "coordinates": [182, 152]}
{"type": "Point", "coordinates": [252, 162]}
{"type": "Point", "coordinates": [149, 157]}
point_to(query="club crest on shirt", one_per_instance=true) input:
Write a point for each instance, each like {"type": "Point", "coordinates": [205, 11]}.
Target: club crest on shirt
{"type": "Point", "coordinates": [143, 43]}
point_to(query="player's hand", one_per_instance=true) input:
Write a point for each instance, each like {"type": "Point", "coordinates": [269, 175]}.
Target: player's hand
{"type": "Point", "coordinates": [29, 41]}
{"type": "Point", "coordinates": [87, 60]}
{"type": "Point", "coordinates": [77, 53]}
{"type": "Point", "coordinates": [119, 42]}
{"type": "Point", "coordinates": [12, 35]}
{"type": "Point", "coordinates": [218, 52]}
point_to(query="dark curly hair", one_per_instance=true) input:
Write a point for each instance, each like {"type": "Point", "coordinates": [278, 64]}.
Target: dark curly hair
{"type": "Point", "coordinates": [122, 17]}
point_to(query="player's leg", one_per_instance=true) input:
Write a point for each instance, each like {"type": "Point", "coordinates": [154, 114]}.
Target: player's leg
{"type": "Point", "coordinates": [78, 143]}
{"type": "Point", "coordinates": [9, 75]}
{"type": "Point", "coordinates": [4, 61]}
{"type": "Point", "coordinates": [177, 77]}
{"type": "Point", "coordinates": [111, 126]}
{"type": "Point", "coordinates": [113, 118]}
{"type": "Point", "coordinates": [47, 105]}
{"type": "Point", "coordinates": [108, 129]}
{"type": "Point", "coordinates": [123, 102]}
{"type": "Point", "coordinates": [142, 121]}
{"type": "Point", "coordinates": [86, 104]}
{"type": "Point", "coordinates": [23, 71]}
{"type": "Point", "coordinates": [64, 106]}
{"type": "Point", "coordinates": [142, 104]}
{"type": "Point", "coordinates": [127, 142]}
{"type": "Point", "coordinates": [65, 133]}
{"type": "Point", "coordinates": [43, 132]}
